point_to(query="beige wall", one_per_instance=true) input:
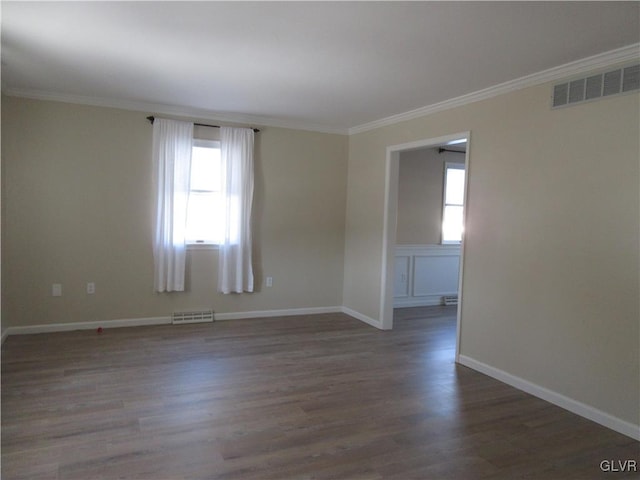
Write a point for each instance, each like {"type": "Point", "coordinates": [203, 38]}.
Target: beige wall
{"type": "Point", "coordinates": [551, 289]}
{"type": "Point", "coordinates": [420, 185]}
{"type": "Point", "coordinates": [77, 207]}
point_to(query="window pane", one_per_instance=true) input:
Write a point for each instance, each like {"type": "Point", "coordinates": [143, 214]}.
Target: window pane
{"type": "Point", "coordinates": [203, 217]}
{"type": "Point", "coordinates": [452, 224]}
{"type": "Point", "coordinates": [205, 169]}
{"type": "Point", "coordinates": [454, 193]}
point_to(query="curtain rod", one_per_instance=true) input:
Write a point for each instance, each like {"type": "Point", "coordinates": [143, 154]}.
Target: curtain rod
{"type": "Point", "coordinates": [440, 150]}
{"type": "Point", "coordinates": [152, 119]}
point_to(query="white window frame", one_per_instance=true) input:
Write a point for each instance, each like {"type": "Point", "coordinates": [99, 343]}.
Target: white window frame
{"type": "Point", "coordinates": [203, 244]}
{"type": "Point", "coordinates": [447, 166]}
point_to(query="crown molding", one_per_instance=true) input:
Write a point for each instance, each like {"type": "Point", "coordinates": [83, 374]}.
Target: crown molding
{"type": "Point", "coordinates": [578, 67]}
{"type": "Point", "coordinates": [172, 110]}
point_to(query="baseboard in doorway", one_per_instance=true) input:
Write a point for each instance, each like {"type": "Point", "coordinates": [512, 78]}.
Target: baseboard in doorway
{"type": "Point", "coordinates": [362, 317]}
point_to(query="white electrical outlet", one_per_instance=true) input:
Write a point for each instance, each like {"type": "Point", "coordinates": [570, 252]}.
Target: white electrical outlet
{"type": "Point", "coordinates": [269, 281]}
{"type": "Point", "coordinates": [91, 288]}
{"type": "Point", "coordinates": [56, 290]}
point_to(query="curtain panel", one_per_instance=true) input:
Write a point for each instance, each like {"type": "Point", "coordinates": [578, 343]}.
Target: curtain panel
{"type": "Point", "coordinates": [235, 271]}
{"type": "Point", "coordinates": [172, 144]}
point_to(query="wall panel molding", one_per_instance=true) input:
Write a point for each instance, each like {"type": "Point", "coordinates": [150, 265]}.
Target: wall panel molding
{"type": "Point", "coordinates": [424, 274]}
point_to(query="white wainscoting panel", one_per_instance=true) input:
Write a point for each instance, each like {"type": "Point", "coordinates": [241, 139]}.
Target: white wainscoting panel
{"type": "Point", "coordinates": [425, 273]}
{"type": "Point", "coordinates": [403, 272]}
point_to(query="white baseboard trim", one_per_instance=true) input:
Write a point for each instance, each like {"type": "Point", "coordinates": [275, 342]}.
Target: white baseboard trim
{"type": "Point", "coordinates": [137, 322]}
{"type": "Point", "coordinates": [297, 311]}
{"type": "Point", "coordinates": [426, 301]}
{"type": "Point", "coordinates": [67, 327]}
{"type": "Point", "coordinates": [614, 423]}
{"type": "Point", "coordinates": [275, 313]}
{"type": "Point", "coordinates": [5, 334]}
{"type": "Point", "coordinates": [362, 317]}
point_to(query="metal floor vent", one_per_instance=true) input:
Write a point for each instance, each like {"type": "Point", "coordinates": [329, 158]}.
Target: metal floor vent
{"type": "Point", "coordinates": [450, 299]}
{"type": "Point", "coordinates": [202, 316]}
{"type": "Point", "coordinates": [594, 86]}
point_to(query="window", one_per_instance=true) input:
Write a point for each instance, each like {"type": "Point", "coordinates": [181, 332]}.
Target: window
{"type": "Point", "coordinates": [204, 224]}
{"type": "Point", "coordinates": [453, 202]}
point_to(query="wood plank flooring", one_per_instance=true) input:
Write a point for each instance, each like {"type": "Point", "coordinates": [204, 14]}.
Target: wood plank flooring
{"type": "Point", "coordinates": [308, 397]}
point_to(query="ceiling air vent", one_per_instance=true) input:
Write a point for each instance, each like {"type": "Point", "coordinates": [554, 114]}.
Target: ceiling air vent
{"type": "Point", "coordinates": [594, 86]}
{"type": "Point", "coordinates": [560, 94]}
{"type": "Point", "coordinates": [576, 91]}
{"type": "Point", "coordinates": [631, 78]}
{"type": "Point", "coordinates": [612, 82]}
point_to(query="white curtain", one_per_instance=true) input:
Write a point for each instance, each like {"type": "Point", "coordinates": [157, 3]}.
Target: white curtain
{"type": "Point", "coordinates": [172, 143]}
{"type": "Point", "coordinates": [235, 272]}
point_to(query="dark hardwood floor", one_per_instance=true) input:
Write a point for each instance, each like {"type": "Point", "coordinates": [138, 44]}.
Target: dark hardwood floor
{"type": "Point", "coordinates": [308, 397]}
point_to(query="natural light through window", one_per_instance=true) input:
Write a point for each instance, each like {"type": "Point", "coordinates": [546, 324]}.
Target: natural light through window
{"type": "Point", "coordinates": [204, 225]}
{"type": "Point", "coordinates": [452, 221]}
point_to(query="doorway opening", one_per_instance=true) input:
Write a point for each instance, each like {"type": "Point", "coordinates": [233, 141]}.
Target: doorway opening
{"type": "Point", "coordinates": [447, 236]}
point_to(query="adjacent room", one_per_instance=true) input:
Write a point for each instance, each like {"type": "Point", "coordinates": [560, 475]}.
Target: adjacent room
{"type": "Point", "coordinates": [287, 240]}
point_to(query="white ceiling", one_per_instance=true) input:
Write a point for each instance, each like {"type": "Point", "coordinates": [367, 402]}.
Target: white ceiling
{"type": "Point", "coordinates": [317, 65]}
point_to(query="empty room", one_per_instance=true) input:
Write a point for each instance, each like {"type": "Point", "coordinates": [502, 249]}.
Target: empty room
{"type": "Point", "coordinates": [313, 240]}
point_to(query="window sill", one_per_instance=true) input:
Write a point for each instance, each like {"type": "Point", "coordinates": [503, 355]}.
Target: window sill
{"type": "Point", "coordinates": [203, 246]}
